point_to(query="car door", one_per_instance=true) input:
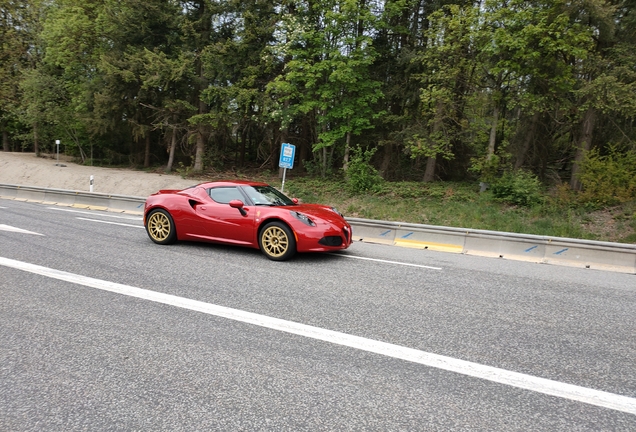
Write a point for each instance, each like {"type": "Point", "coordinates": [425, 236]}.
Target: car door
{"type": "Point", "coordinates": [224, 223]}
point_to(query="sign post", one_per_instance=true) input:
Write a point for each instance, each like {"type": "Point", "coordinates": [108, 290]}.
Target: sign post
{"type": "Point", "coordinates": [287, 152]}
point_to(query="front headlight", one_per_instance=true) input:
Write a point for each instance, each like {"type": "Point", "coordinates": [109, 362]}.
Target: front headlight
{"type": "Point", "coordinates": [335, 210]}
{"type": "Point", "coordinates": [303, 218]}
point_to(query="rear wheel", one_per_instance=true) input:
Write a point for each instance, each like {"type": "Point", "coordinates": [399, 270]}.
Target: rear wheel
{"type": "Point", "coordinates": [160, 227]}
{"type": "Point", "coordinates": [277, 241]}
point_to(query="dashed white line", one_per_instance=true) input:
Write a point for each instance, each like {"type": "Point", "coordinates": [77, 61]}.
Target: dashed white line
{"type": "Point", "coordinates": [502, 376]}
{"type": "Point", "coordinates": [386, 261]}
{"type": "Point", "coordinates": [110, 223]}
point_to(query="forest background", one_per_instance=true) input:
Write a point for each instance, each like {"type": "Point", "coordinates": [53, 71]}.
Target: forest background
{"type": "Point", "coordinates": [533, 100]}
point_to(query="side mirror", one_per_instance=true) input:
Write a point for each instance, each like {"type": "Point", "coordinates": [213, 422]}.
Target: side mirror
{"type": "Point", "coordinates": [295, 200]}
{"type": "Point", "coordinates": [238, 204]}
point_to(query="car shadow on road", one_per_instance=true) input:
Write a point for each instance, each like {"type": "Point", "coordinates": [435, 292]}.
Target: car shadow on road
{"type": "Point", "coordinates": [197, 248]}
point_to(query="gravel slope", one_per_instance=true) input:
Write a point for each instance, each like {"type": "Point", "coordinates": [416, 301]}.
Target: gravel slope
{"type": "Point", "coordinates": [26, 169]}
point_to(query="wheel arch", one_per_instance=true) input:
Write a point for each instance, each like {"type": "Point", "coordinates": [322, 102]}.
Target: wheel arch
{"type": "Point", "coordinates": [264, 222]}
{"type": "Point", "coordinates": [153, 208]}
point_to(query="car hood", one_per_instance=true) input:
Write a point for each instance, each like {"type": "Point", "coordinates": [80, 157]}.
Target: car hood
{"type": "Point", "coordinates": [317, 211]}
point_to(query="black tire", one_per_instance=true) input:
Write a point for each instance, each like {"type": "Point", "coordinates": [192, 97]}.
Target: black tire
{"type": "Point", "coordinates": [160, 227]}
{"type": "Point", "coordinates": [277, 241]}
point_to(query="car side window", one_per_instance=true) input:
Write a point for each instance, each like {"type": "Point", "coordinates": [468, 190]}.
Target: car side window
{"type": "Point", "coordinates": [223, 195]}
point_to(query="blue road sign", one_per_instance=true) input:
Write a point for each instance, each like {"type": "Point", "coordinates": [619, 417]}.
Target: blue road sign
{"type": "Point", "coordinates": [287, 153]}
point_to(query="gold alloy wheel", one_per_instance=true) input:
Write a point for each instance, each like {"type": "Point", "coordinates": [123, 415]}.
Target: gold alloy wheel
{"type": "Point", "coordinates": [275, 241]}
{"type": "Point", "coordinates": [159, 226]}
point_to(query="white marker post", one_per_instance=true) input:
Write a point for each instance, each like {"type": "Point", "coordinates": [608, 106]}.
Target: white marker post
{"type": "Point", "coordinates": [286, 160]}
{"type": "Point", "coordinates": [91, 184]}
{"type": "Point", "coordinates": [57, 144]}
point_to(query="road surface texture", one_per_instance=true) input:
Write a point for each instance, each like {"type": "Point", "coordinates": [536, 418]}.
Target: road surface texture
{"type": "Point", "coordinates": [101, 329]}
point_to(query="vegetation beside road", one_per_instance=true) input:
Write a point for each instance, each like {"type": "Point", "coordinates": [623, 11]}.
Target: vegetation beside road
{"type": "Point", "coordinates": [558, 212]}
{"type": "Point", "coordinates": [406, 105]}
{"type": "Point", "coordinates": [462, 205]}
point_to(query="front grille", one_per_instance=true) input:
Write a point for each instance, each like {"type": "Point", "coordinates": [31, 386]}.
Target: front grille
{"type": "Point", "coordinates": [331, 241]}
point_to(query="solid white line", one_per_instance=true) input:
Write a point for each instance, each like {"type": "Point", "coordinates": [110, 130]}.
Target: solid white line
{"type": "Point", "coordinates": [17, 230]}
{"type": "Point", "coordinates": [110, 223]}
{"type": "Point", "coordinates": [502, 376]}
{"type": "Point", "coordinates": [95, 213]}
{"type": "Point", "coordinates": [386, 262]}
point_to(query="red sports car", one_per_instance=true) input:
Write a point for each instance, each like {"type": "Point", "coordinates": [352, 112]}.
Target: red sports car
{"type": "Point", "coordinates": [245, 213]}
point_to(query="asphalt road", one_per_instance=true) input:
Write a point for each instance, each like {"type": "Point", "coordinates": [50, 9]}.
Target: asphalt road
{"type": "Point", "coordinates": [74, 356]}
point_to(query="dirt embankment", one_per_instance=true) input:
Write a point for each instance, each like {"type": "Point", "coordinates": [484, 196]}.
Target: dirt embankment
{"type": "Point", "coordinates": [26, 169]}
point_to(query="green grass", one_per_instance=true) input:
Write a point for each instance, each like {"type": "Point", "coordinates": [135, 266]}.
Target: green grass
{"type": "Point", "coordinates": [461, 205]}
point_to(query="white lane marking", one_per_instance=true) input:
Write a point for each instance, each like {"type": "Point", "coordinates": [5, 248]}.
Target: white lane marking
{"type": "Point", "coordinates": [502, 376]}
{"type": "Point", "coordinates": [386, 261]}
{"type": "Point", "coordinates": [95, 214]}
{"type": "Point", "coordinates": [17, 230]}
{"type": "Point", "coordinates": [110, 223]}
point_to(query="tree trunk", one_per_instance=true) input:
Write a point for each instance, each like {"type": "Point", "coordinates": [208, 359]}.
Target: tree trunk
{"type": "Point", "coordinates": [200, 151]}
{"type": "Point", "coordinates": [147, 151]}
{"type": "Point", "coordinates": [205, 15]}
{"type": "Point", "coordinates": [493, 134]}
{"type": "Point", "coordinates": [5, 136]}
{"type": "Point", "coordinates": [323, 170]}
{"type": "Point", "coordinates": [243, 147]}
{"type": "Point", "coordinates": [173, 144]}
{"type": "Point", "coordinates": [583, 146]}
{"type": "Point", "coordinates": [36, 144]}
{"type": "Point", "coordinates": [429, 173]}
{"type": "Point", "coordinates": [527, 142]}
{"type": "Point", "coordinates": [386, 161]}
{"type": "Point", "coordinates": [305, 140]}
{"type": "Point", "coordinates": [345, 161]}
{"type": "Point", "coordinates": [431, 162]}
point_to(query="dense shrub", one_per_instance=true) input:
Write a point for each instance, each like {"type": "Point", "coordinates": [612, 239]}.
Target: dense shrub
{"type": "Point", "coordinates": [517, 187]}
{"type": "Point", "coordinates": [608, 179]}
{"type": "Point", "coordinates": [361, 176]}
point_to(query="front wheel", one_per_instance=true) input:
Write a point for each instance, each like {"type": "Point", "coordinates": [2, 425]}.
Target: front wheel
{"type": "Point", "coordinates": [160, 227]}
{"type": "Point", "coordinates": [277, 241]}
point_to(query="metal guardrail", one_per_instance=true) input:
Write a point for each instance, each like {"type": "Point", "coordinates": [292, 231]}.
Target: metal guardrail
{"type": "Point", "coordinates": [90, 200]}
{"type": "Point", "coordinates": [618, 257]}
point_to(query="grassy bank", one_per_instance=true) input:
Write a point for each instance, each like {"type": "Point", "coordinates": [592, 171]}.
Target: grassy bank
{"type": "Point", "coordinates": [462, 205]}
{"type": "Point", "coordinates": [557, 212]}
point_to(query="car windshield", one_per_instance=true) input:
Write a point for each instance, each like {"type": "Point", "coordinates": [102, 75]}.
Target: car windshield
{"type": "Point", "coordinates": [267, 195]}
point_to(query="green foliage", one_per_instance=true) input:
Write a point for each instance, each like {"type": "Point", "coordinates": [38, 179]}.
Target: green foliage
{"type": "Point", "coordinates": [183, 171]}
{"type": "Point", "coordinates": [488, 168]}
{"type": "Point", "coordinates": [461, 205]}
{"type": "Point", "coordinates": [451, 82]}
{"type": "Point", "coordinates": [315, 168]}
{"type": "Point", "coordinates": [517, 187]}
{"type": "Point", "coordinates": [327, 75]}
{"type": "Point", "coordinates": [459, 192]}
{"type": "Point", "coordinates": [608, 179]}
{"type": "Point", "coordinates": [361, 175]}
